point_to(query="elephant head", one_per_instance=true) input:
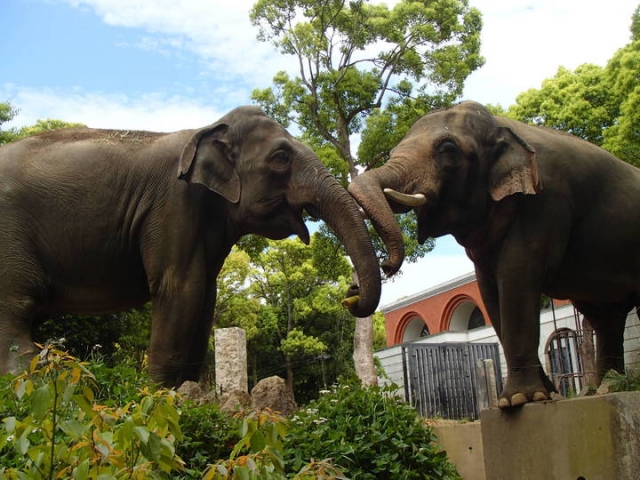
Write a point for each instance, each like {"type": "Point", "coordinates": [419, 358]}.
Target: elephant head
{"type": "Point", "coordinates": [453, 168]}
{"type": "Point", "coordinates": [268, 178]}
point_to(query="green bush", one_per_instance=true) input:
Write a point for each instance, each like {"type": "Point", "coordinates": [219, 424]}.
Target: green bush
{"type": "Point", "coordinates": [623, 382]}
{"type": "Point", "coordinates": [52, 428]}
{"type": "Point", "coordinates": [258, 453]}
{"type": "Point", "coordinates": [208, 435]}
{"type": "Point", "coordinates": [370, 432]}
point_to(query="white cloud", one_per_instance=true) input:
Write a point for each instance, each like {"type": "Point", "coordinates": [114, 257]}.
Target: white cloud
{"type": "Point", "coordinates": [152, 111]}
{"type": "Point", "coordinates": [525, 41]}
{"type": "Point", "coordinates": [220, 33]}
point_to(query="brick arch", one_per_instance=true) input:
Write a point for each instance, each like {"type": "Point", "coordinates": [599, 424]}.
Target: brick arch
{"type": "Point", "coordinates": [403, 323]}
{"type": "Point", "coordinates": [452, 305]}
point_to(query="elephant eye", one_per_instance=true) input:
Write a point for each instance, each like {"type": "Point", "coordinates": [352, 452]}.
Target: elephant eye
{"type": "Point", "coordinates": [448, 148]}
{"type": "Point", "coordinates": [449, 154]}
{"type": "Point", "coordinates": [279, 160]}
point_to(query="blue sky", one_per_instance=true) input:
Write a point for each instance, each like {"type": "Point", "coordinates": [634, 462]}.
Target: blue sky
{"type": "Point", "coordinates": [172, 64]}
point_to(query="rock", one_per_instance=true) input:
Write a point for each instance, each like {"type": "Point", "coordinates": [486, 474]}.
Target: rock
{"type": "Point", "coordinates": [194, 393]}
{"type": "Point", "coordinates": [234, 401]}
{"type": "Point", "coordinates": [191, 391]}
{"type": "Point", "coordinates": [607, 386]}
{"type": "Point", "coordinates": [273, 393]}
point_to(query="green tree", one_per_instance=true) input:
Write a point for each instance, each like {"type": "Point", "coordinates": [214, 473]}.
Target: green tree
{"type": "Point", "coordinates": [370, 70]}
{"type": "Point", "coordinates": [578, 102]}
{"type": "Point", "coordinates": [623, 137]}
{"type": "Point", "coordinates": [234, 304]}
{"type": "Point", "coordinates": [599, 104]}
{"type": "Point", "coordinates": [7, 113]}
{"type": "Point", "coordinates": [352, 56]}
{"type": "Point", "coordinates": [300, 288]}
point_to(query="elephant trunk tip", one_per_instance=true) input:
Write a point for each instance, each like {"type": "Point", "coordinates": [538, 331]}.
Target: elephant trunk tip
{"type": "Point", "coordinates": [391, 266]}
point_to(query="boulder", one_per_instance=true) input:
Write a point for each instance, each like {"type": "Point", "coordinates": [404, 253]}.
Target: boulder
{"type": "Point", "coordinates": [272, 392]}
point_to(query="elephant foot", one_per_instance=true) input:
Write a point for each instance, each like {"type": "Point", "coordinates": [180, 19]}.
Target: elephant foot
{"type": "Point", "coordinates": [519, 399]}
{"type": "Point", "coordinates": [521, 389]}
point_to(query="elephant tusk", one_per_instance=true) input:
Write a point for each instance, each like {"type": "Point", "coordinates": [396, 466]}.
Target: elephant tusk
{"type": "Point", "coordinates": [350, 301]}
{"type": "Point", "coordinates": [415, 200]}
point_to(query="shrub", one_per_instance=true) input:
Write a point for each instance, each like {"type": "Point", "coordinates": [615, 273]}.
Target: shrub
{"type": "Point", "coordinates": [208, 434]}
{"type": "Point", "coordinates": [370, 432]}
{"type": "Point", "coordinates": [623, 382]}
{"type": "Point", "coordinates": [258, 454]}
{"type": "Point", "coordinates": [53, 429]}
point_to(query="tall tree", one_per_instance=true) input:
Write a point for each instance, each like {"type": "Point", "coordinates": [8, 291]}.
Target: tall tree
{"type": "Point", "coordinates": [354, 59]}
{"type": "Point", "coordinates": [7, 113]}
{"type": "Point", "coordinates": [300, 287]}
{"type": "Point", "coordinates": [599, 104]}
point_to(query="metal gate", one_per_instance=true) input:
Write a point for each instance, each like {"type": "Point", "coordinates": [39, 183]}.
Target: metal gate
{"type": "Point", "coordinates": [441, 380]}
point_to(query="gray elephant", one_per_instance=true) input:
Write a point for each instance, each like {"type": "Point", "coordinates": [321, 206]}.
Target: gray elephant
{"type": "Point", "coordinates": [537, 210]}
{"type": "Point", "coordinates": [94, 221]}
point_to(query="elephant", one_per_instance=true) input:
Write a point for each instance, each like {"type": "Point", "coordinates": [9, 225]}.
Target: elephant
{"type": "Point", "coordinates": [96, 221]}
{"type": "Point", "coordinates": [537, 211]}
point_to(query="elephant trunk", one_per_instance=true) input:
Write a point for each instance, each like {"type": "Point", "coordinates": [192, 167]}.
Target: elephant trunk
{"type": "Point", "coordinates": [367, 189]}
{"type": "Point", "coordinates": [342, 215]}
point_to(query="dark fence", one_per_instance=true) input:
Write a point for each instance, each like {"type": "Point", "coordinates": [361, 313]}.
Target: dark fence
{"type": "Point", "coordinates": [441, 379]}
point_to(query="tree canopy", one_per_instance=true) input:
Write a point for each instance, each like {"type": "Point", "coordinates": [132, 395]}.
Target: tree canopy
{"type": "Point", "coordinates": [599, 104]}
{"type": "Point", "coordinates": [8, 112]}
{"type": "Point", "coordinates": [352, 55]}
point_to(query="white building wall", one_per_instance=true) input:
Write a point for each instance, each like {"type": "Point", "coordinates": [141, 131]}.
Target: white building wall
{"type": "Point", "coordinates": [565, 317]}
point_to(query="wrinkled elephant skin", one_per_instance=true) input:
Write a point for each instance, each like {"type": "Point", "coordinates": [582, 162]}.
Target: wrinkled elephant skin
{"type": "Point", "coordinates": [537, 210]}
{"type": "Point", "coordinates": [95, 221]}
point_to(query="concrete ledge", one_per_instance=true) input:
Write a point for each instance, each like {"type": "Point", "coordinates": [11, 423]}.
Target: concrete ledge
{"type": "Point", "coordinates": [463, 444]}
{"type": "Point", "coordinates": [590, 438]}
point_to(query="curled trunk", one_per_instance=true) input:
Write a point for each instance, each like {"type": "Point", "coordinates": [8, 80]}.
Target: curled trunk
{"type": "Point", "coordinates": [367, 189]}
{"type": "Point", "coordinates": [341, 214]}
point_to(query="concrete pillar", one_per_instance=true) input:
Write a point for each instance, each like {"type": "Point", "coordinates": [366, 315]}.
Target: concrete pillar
{"type": "Point", "coordinates": [231, 360]}
{"type": "Point", "coordinates": [589, 438]}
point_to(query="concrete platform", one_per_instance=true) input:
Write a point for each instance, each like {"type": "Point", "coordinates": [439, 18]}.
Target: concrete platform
{"type": "Point", "coordinates": [463, 443]}
{"type": "Point", "coordinates": [590, 438]}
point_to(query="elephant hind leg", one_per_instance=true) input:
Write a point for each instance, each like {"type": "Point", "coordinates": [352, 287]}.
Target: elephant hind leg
{"type": "Point", "coordinates": [16, 346]}
{"type": "Point", "coordinates": [608, 322]}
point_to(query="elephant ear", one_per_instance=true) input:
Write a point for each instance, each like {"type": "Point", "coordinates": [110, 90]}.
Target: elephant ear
{"type": "Point", "coordinates": [514, 169]}
{"type": "Point", "coordinates": [206, 160]}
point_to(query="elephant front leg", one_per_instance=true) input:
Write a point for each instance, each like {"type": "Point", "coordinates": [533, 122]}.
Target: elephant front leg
{"type": "Point", "coordinates": [526, 380]}
{"type": "Point", "coordinates": [180, 331]}
{"type": "Point", "coordinates": [518, 287]}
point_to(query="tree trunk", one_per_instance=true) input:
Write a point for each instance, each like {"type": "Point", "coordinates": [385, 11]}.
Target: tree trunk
{"type": "Point", "coordinates": [363, 349]}
{"type": "Point", "coordinates": [587, 354]}
{"type": "Point", "coordinates": [289, 381]}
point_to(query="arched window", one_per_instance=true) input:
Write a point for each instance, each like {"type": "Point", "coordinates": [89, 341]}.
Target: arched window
{"type": "Point", "coordinates": [476, 319]}
{"type": "Point", "coordinates": [466, 316]}
{"type": "Point", "coordinates": [564, 359]}
{"type": "Point", "coordinates": [415, 328]}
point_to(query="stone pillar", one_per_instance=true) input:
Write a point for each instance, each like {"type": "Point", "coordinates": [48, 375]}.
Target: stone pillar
{"type": "Point", "coordinates": [231, 360]}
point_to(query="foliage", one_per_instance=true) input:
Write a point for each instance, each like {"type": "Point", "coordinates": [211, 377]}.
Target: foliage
{"type": "Point", "coordinates": [370, 432]}
{"type": "Point", "coordinates": [208, 434]}
{"type": "Point", "coordinates": [302, 322]}
{"type": "Point", "coordinates": [53, 429]}
{"type": "Point", "coordinates": [8, 112]}
{"type": "Point", "coordinates": [379, 331]}
{"type": "Point", "coordinates": [366, 69]}
{"type": "Point", "coordinates": [577, 102]}
{"type": "Point", "coordinates": [623, 382]}
{"type": "Point", "coordinates": [234, 305]}
{"type": "Point", "coordinates": [116, 337]}
{"type": "Point", "coordinates": [262, 433]}
{"type": "Point", "coordinates": [601, 105]}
